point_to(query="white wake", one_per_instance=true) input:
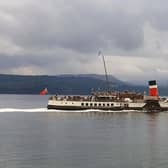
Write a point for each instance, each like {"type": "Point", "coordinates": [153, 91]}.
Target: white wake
{"type": "Point", "coordinates": [62, 111]}
{"type": "Point", "coordinates": [23, 110]}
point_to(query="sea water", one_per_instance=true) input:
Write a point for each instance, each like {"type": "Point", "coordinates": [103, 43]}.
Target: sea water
{"type": "Point", "coordinates": [32, 136]}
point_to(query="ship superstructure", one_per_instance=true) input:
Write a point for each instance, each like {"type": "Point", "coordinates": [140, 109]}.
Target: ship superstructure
{"type": "Point", "coordinates": [111, 101]}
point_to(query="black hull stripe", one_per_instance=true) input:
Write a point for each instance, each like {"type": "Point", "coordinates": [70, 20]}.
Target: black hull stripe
{"type": "Point", "coordinates": [145, 108]}
{"type": "Point", "coordinates": [94, 108]}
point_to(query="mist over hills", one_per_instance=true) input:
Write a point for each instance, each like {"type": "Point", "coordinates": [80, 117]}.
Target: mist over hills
{"type": "Point", "coordinates": [66, 84]}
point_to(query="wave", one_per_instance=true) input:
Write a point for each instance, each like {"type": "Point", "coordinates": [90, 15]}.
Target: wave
{"type": "Point", "coordinates": [23, 110]}
{"type": "Point", "coordinates": [62, 111]}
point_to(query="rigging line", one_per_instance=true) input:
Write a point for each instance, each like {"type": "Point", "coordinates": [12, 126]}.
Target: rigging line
{"type": "Point", "coordinates": [105, 69]}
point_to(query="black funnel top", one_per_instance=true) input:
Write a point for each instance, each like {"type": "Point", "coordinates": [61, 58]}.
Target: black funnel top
{"type": "Point", "coordinates": [153, 82]}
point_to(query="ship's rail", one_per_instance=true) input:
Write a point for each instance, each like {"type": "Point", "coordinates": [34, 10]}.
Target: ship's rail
{"type": "Point", "coordinates": [95, 99]}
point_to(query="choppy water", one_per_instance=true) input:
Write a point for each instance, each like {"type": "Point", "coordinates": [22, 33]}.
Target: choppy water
{"type": "Point", "coordinates": [30, 136]}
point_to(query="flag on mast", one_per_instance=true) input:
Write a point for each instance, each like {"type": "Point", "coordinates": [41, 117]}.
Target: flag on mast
{"type": "Point", "coordinates": [44, 91]}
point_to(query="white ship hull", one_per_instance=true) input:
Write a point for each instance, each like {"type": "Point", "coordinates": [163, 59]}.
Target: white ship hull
{"type": "Point", "coordinates": [84, 105]}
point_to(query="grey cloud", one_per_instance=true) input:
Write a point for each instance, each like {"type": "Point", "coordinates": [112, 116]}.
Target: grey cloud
{"type": "Point", "coordinates": [61, 35]}
{"type": "Point", "coordinates": [156, 12]}
{"type": "Point", "coordinates": [125, 31]}
{"type": "Point", "coordinates": [16, 61]}
{"type": "Point", "coordinates": [79, 28]}
{"type": "Point", "coordinates": [158, 19]}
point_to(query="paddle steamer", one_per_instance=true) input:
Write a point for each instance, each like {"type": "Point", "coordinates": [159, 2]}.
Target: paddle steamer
{"type": "Point", "coordinates": [112, 101]}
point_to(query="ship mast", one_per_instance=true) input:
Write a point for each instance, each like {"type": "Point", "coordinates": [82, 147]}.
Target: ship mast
{"type": "Point", "coordinates": [105, 70]}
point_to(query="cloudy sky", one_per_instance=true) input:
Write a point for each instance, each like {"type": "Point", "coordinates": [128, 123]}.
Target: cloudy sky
{"type": "Point", "coordinates": [64, 36]}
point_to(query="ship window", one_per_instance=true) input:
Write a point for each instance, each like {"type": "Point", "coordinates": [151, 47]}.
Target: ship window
{"type": "Point", "coordinates": [91, 104]}
{"type": "Point", "coordinates": [103, 104]}
{"type": "Point", "coordinates": [125, 105]}
{"type": "Point", "coordinates": [95, 104]}
{"type": "Point", "coordinates": [99, 104]}
{"type": "Point", "coordinates": [112, 104]}
{"type": "Point", "coordinates": [82, 104]}
{"type": "Point", "coordinates": [86, 104]}
{"type": "Point", "coordinates": [107, 104]}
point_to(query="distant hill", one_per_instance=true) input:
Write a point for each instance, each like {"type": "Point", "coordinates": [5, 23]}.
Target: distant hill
{"type": "Point", "coordinates": [64, 84]}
